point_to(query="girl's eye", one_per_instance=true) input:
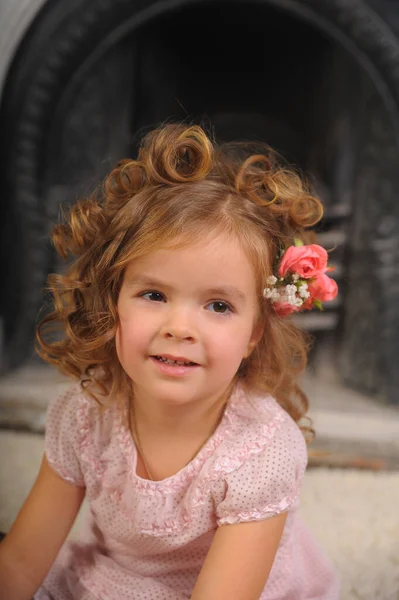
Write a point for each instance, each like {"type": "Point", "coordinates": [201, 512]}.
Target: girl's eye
{"type": "Point", "coordinates": [220, 307]}
{"type": "Point", "coordinates": [153, 296]}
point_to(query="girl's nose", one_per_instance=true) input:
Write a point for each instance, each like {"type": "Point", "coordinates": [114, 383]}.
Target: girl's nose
{"type": "Point", "coordinates": [179, 325]}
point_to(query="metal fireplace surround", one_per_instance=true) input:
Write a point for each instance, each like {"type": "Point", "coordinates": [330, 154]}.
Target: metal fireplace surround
{"type": "Point", "coordinates": [81, 81]}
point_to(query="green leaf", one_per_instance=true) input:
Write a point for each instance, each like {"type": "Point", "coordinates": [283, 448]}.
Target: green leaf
{"type": "Point", "coordinates": [298, 242]}
{"type": "Point", "coordinates": [318, 304]}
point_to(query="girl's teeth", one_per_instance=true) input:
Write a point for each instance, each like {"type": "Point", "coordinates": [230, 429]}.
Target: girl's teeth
{"type": "Point", "coordinates": [173, 362]}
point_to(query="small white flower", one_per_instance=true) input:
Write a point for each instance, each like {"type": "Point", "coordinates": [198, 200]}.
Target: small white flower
{"type": "Point", "coordinates": [291, 289]}
{"type": "Point", "coordinates": [275, 295]}
{"type": "Point", "coordinates": [287, 294]}
{"type": "Point", "coordinates": [267, 292]}
{"type": "Point", "coordinates": [295, 277]}
{"type": "Point", "coordinates": [271, 280]}
{"type": "Point", "coordinates": [271, 294]}
{"type": "Point", "coordinates": [303, 291]}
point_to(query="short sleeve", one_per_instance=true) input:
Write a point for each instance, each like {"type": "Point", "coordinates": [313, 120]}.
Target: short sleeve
{"type": "Point", "coordinates": [62, 436]}
{"type": "Point", "coordinates": [268, 480]}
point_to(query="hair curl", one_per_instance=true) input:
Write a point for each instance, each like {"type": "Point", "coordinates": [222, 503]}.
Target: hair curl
{"type": "Point", "coordinates": [181, 186]}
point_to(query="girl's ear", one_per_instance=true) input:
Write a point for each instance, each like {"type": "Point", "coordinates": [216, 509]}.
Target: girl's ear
{"type": "Point", "coordinates": [255, 337]}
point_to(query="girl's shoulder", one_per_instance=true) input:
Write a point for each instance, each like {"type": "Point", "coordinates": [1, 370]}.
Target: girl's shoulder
{"type": "Point", "coordinates": [257, 435]}
{"type": "Point", "coordinates": [77, 428]}
{"type": "Point", "coordinates": [261, 416]}
{"type": "Point", "coordinates": [261, 462]}
{"type": "Point", "coordinates": [75, 410]}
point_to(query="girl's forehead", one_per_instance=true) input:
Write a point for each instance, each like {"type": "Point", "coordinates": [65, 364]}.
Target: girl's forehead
{"type": "Point", "coordinates": [214, 259]}
{"type": "Point", "coordinates": [210, 248]}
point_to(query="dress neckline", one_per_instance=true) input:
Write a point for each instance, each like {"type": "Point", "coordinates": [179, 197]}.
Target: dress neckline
{"type": "Point", "coordinates": [179, 478]}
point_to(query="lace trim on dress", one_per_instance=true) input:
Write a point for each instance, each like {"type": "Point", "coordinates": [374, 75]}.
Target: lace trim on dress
{"type": "Point", "coordinates": [86, 442]}
{"type": "Point", "coordinates": [270, 510]}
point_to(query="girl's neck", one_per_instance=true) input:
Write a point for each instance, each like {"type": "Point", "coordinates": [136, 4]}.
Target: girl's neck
{"type": "Point", "coordinates": [164, 421]}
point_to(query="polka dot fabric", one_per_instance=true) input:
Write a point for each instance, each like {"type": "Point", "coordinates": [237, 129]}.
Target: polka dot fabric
{"type": "Point", "coordinates": [147, 540]}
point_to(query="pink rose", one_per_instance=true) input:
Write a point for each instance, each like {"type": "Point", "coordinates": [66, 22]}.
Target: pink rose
{"type": "Point", "coordinates": [284, 308]}
{"type": "Point", "coordinates": [323, 288]}
{"type": "Point", "coordinates": [308, 261]}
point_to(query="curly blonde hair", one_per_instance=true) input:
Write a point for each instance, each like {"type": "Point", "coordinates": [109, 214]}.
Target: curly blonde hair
{"type": "Point", "coordinates": [181, 187]}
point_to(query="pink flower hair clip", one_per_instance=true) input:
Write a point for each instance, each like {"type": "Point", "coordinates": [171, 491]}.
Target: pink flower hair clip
{"type": "Point", "coordinates": [302, 283]}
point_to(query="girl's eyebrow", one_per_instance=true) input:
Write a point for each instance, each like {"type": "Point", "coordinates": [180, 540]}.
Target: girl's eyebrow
{"type": "Point", "coordinates": [225, 290]}
{"type": "Point", "coordinates": [142, 280]}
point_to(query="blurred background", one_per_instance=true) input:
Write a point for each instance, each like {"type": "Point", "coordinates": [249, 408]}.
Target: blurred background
{"type": "Point", "coordinates": [81, 81]}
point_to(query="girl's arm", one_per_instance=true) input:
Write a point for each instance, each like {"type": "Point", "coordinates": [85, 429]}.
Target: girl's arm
{"type": "Point", "coordinates": [239, 560]}
{"type": "Point", "coordinates": [41, 527]}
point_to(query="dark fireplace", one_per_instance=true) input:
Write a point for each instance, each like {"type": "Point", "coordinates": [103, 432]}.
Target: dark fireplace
{"type": "Point", "coordinates": [316, 79]}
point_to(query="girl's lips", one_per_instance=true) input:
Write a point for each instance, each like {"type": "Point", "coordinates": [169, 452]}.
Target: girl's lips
{"type": "Point", "coordinates": [174, 370]}
{"type": "Point", "coordinates": [174, 358]}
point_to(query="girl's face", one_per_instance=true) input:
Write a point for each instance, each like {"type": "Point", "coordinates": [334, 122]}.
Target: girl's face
{"type": "Point", "coordinates": [195, 305]}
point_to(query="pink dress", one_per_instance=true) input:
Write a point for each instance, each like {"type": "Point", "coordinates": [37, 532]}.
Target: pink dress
{"type": "Point", "coordinates": [147, 540]}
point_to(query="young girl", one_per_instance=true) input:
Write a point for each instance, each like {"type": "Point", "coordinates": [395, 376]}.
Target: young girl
{"type": "Point", "coordinates": [183, 432]}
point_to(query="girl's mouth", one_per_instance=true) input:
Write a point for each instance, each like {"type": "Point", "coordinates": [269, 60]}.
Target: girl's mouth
{"type": "Point", "coordinates": [179, 363]}
{"type": "Point", "coordinates": [174, 368]}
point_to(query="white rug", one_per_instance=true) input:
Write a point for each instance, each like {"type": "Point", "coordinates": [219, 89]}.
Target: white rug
{"type": "Point", "coordinates": [354, 515]}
